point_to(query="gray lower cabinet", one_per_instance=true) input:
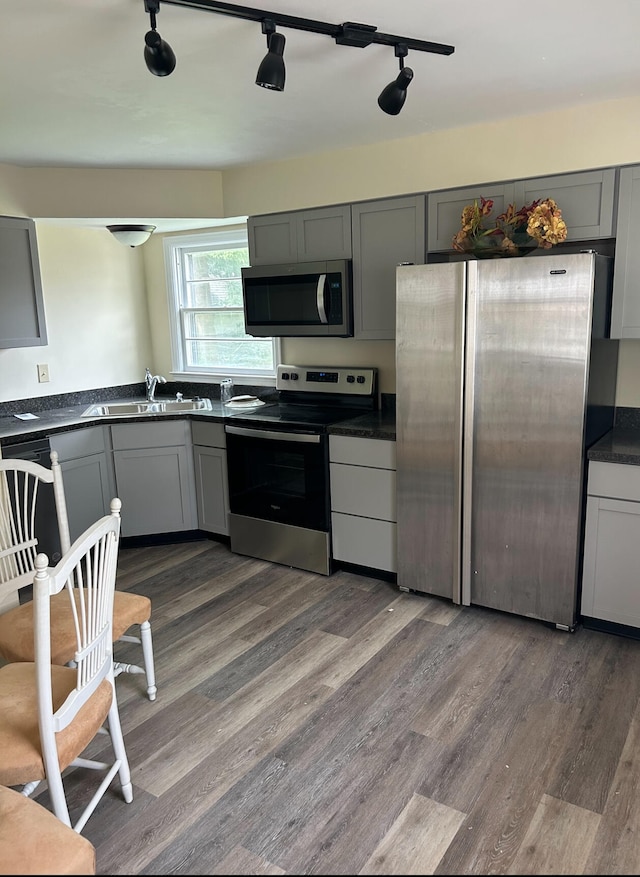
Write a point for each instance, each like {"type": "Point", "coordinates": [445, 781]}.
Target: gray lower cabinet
{"type": "Point", "coordinates": [22, 317]}
{"type": "Point", "coordinates": [625, 310]}
{"type": "Point", "coordinates": [154, 476]}
{"type": "Point", "coordinates": [301, 236]}
{"type": "Point", "coordinates": [210, 462]}
{"type": "Point", "coordinates": [610, 581]}
{"type": "Point", "coordinates": [87, 469]}
{"type": "Point", "coordinates": [363, 501]}
{"type": "Point", "coordinates": [385, 233]}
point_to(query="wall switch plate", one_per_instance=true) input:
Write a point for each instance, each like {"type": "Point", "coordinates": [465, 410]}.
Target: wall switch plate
{"type": "Point", "coordinates": [43, 373]}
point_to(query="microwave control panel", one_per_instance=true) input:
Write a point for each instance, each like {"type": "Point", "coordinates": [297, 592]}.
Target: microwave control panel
{"type": "Point", "coordinates": [332, 379]}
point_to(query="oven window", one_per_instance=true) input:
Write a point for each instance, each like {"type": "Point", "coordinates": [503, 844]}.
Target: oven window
{"type": "Point", "coordinates": [279, 480]}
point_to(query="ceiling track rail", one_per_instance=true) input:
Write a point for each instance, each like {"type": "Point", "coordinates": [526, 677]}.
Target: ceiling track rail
{"type": "Point", "coordinates": [346, 34]}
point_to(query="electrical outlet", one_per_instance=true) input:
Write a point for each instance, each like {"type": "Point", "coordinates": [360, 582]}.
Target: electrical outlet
{"type": "Point", "coordinates": [43, 373]}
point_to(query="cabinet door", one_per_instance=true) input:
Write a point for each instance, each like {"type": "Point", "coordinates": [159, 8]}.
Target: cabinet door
{"type": "Point", "coordinates": [272, 239]}
{"type": "Point", "coordinates": [324, 233]}
{"type": "Point", "coordinates": [610, 585]}
{"type": "Point", "coordinates": [22, 322]}
{"type": "Point", "coordinates": [585, 198]}
{"type": "Point", "coordinates": [625, 311]}
{"type": "Point", "coordinates": [384, 233]}
{"type": "Point", "coordinates": [156, 489]}
{"type": "Point", "coordinates": [445, 210]}
{"type": "Point", "coordinates": [88, 491]}
{"type": "Point", "coordinates": [212, 493]}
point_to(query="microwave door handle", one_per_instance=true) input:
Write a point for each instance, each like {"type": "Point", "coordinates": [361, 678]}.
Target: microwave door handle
{"type": "Point", "coordinates": [322, 281]}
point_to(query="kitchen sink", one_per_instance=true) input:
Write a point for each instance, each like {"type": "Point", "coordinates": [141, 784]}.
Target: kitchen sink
{"type": "Point", "coordinates": [164, 406]}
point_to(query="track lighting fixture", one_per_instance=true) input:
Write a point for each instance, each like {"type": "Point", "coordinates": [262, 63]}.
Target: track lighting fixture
{"type": "Point", "coordinates": [393, 96]}
{"type": "Point", "coordinates": [131, 235]}
{"type": "Point", "coordinates": [271, 70]}
{"type": "Point", "coordinates": [271, 73]}
{"type": "Point", "coordinates": [158, 55]}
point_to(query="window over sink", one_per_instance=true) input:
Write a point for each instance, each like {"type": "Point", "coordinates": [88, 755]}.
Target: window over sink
{"type": "Point", "coordinates": [205, 308]}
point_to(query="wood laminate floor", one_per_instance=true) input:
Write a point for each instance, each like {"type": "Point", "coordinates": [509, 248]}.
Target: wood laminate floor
{"type": "Point", "coordinates": [333, 725]}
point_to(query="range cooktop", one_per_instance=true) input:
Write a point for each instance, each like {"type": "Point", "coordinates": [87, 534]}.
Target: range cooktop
{"type": "Point", "coordinates": [298, 415]}
{"type": "Point", "coordinates": [316, 397]}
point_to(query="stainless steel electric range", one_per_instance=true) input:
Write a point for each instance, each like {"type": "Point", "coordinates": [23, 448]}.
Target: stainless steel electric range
{"type": "Point", "coordinates": [278, 464]}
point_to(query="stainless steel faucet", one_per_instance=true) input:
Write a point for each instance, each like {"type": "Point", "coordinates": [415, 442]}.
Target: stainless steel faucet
{"type": "Point", "coordinates": [152, 381]}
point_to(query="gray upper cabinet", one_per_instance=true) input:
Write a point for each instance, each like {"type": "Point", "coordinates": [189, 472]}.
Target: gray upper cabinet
{"type": "Point", "coordinates": [385, 233]}
{"type": "Point", "coordinates": [585, 198]}
{"type": "Point", "coordinates": [301, 236]}
{"type": "Point", "coordinates": [625, 311]}
{"type": "Point", "coordinates": [22, 321]}
{"type": "Point", "coordinates": [445, 209]}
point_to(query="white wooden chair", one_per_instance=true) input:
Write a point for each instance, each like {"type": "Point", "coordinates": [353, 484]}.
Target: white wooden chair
{"type": "Point", "coordinates": [20, 482]}
{"type": "Point", "coordinates": [49, 713]}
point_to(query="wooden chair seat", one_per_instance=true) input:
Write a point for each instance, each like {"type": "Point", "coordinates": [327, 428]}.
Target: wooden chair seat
{"type": "Point", "coordinates": [34, 841]}
{"type": "Point", "coordinates": [16, 626]}
{"type": "Point", "coordinates": [22, 760]}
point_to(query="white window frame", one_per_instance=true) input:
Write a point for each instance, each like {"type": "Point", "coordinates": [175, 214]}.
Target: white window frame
{"type": "Point", "coordinates": [214, 239]}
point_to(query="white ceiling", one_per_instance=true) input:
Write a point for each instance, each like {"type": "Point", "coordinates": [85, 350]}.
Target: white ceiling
{"type": "Point", "coordinates": [75, 91]}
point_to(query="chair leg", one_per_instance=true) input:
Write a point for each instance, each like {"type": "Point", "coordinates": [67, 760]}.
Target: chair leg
{"type": "Point", "coordinates": [147, 651]}
{"type": "Point", "coordinates": [117, 741]}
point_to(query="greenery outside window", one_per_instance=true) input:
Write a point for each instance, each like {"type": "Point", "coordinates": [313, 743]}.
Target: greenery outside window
{"type": "Point", "coordinates": [205, 306]}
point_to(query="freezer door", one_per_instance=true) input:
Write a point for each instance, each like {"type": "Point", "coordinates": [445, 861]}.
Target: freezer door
{"type": "Point", "coordinates": [429, 350]}
{"type": "Point", "coordinates": [529, 330]}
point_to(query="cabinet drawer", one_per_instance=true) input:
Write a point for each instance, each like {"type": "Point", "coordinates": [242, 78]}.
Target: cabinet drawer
{"type": "Point", "coordinates": [126, 436]}
{"type": "Point", "coordinates": [378, 453]}
{"type": "Point", "coordinates": [359, 490]}
{"type": "Point", "coordinates": [79, 442]}
{"type": "Point", "coordinates": [616, 480]}
{"type": "Point", "coordinates": [364, 542]}
{"type": "Point", "coordinates": [211, 435]}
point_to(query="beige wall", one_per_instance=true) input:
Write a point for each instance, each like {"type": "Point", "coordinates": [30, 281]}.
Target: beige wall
{"type": "Point", "coordinates": [578, 138]}
{"type": "Point", "coordinates": [96, 313]}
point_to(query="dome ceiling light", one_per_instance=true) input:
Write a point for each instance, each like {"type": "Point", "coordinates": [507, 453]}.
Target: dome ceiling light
{"type": "Point", "coordinates": [161, 60]}
{"type": "Point", "coordinates": [131, 235]}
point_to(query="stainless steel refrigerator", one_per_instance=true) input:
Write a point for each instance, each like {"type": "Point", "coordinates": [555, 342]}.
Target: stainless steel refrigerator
{"type": "Point", "coordinates": [504, 376]}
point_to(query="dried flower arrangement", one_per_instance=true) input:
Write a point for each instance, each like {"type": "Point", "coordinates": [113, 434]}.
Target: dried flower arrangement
{"type": "Point", "coordinates": [539, 224]}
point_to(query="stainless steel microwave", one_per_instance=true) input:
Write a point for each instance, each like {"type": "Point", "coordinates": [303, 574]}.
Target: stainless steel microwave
{"type": "Point", "coordinates": [308, 298]}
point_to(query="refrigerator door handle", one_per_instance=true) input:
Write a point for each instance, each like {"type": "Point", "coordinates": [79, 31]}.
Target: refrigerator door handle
{"type": "Point", "coordinates": [466, 489]}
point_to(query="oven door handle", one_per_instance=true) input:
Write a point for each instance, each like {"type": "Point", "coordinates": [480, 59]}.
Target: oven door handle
{"type": "Point", "coordinates": [274, 436]}
{"type": "Point", "coordinates": [322, 280]}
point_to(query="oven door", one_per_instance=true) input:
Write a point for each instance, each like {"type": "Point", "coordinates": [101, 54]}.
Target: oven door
{"type": "Point", "coordinates": [279, 476]}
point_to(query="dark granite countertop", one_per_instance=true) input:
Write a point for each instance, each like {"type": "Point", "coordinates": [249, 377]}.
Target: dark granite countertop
{"type": "Point", "coordinates": [49, 421]}
{"type": "Point", "coordinates": [376, 424]}
{"type": "Point", "coordinates": [620, 445]}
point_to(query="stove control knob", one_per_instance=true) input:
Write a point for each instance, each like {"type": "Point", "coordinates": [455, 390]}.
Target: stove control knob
{"type": "Point", "coordinates": [350, 379]}
{"type": "Point", "coordinates": [285, 376]}
{"type": "Point", "coordinates": [294, 376]}
{"type": "Point", "coordinates": [361, 379]}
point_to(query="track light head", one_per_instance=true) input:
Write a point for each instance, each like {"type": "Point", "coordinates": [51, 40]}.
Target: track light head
{"type": "Point", "coordinates": [393, 96]}
{"type": "Point", "coordinates": [271, 72]}
{"type": "Point", "coordinates": [158, 54]}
